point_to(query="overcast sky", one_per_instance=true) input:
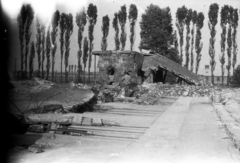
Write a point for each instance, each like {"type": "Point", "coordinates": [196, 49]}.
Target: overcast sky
{"type": "Point", "coordinates": [45, 8]}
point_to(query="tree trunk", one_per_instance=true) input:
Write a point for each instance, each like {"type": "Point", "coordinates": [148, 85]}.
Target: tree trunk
{"type": "Point", "coordinates": [42, 70]}
{"type": "Point", "coordinates": [228, 77]}
{"type": "Point", "coordinates": [78, 71]}
{"type": "Point", "coordinates": [212, 77]}
{"type": "Point", "coordinates": [52, 68]}
{"type": "Point", "coordinates": [222, 74]}
{"type": "Point", "coordinates": [61, 70]}
{"type": "Point", "coordinates": [84, 76]}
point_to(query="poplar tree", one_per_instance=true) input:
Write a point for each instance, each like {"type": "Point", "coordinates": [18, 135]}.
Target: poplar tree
{"type": "Point", "coordinates": [85, 55]}
{"type": "Point", "coordinates": [234, 35]}
{"type": "Point", "coordinates": [198, 43]}
{"type": "Point", "coordinates": [38, 44]}
{"type": "Point", "coordinates": [27, 31]}
{"type": "Point", "coordinates": [92, 19]}
{"type": "Point", "coordinates": [116, 28]}
{"type": "Point", "coordinates": [62, 25]}
{"type": "Point", "coordinates": [194, 20]}
{"type": "Point", "coordinates": [229, 41]}
{"type": "Point", "coordinates": [105, 31]}
{"type": "Point", "coordinates": [43, 48]}
{"type": "Point", "coordinates": [68, 33]}
{"type": "Point", "coordinates": [187, 22]}
{"type": "Point", "coordinates": [224, 18]}
{"type": "Point", "coordinates": [132, 16]}
{"type": "Point", "coordinates": [54, 34]}
{"type": "Point", "coordinates": [48, 51]}
{"type": "Point", "coordinates": [31, 57]}
{"type": "Point", "coordinates": [122, 18]}
{"type": "Point", "coordinates": [180, 23]}
{"type": "Point", "coordinates": [81, 20]}
{"type": "Point", "coordinates": [213, 19]}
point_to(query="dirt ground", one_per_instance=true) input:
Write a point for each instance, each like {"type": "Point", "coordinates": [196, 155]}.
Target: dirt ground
{"type": "Point", "coordinates": [29, 96]}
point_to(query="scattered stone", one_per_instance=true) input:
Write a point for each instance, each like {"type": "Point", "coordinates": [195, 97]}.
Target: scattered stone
{"type": "Point", "coordinates": [50, 109]}
{"type": "Point", "coordinates": [75, 134]}
{"type": "Point", "coordinates": [110, 123]}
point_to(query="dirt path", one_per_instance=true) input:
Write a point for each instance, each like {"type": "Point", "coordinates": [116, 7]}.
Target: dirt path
{"type": "Point", "coordinates": [189, 131]}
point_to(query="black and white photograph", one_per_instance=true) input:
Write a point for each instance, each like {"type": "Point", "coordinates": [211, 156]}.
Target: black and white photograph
{"type": "Point", "coordinates": [120, 81]}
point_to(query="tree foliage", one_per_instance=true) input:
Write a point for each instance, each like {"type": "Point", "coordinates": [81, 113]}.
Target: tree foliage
{"type": "Point", "coordinates": [54, 34]}
{"type": "Point", "coordinates": [43, 48]}
{"type": "Point", "coordinates": [187, 22]}
{"type": "Point", "coordinates": [81, 20]}
{"type": "Point", "coordinates": [234, 35]}
{"type": "Point", "coordinates": [229, 41]}
{"type": "Point", "coordinates": [38, 44]}
{"type": "Point", "coordinates": [68, 33]}
{"type": "Point", "coordinates": [156, 29]}
{"type": "Point", "coordinates": [48, 51]}
{"type": "Point", "coordinates": [194, 20]}
{"type": "Point", "coordinates": [31, 57]}
{"type": "Point", "coordinates": [85, 54]}
{"type": "Point", "coordinates": [92, 18]}
{"type": "Point", "coordinates": [105, 31]}
{"type": "Point", "coordinates": [132, 16]}
{"type": "Point", "coordinates": [122, 18]}
{"type": "Point", "coordinates": [198, 43]}
{"type": "Point", "coordinates": [180, 22]}
{"type": "Point", "coordinates": [175, 41]}
{"type": "Point", "coordinates": [25, 18]}
{"type": "Point", "coordinates": [236, 77]}
{"type": "Point", "coordinates": [213, 19]}
{"type": "Point", "coordinates": [224, 18]}
{"type": "Point", "coordinates": [116, 28]}
{"type": "Point", "coordinates": [62, 25]}
{"type": "Point", "coordinates": [28, 33]}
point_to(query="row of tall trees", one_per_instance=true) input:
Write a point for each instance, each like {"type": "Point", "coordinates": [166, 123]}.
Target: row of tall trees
{"type": "Point", "coordinates": [229, 23]}
{"type": "Point", "coordinates": [62, 24]}
{"type": "Point", "coordinates": [156, 35]}
{"type": "Point", "coordinates": [186, 17]}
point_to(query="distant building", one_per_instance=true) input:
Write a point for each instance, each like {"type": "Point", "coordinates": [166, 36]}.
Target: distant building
{"type": "Point", "coordinates": [217, 78]}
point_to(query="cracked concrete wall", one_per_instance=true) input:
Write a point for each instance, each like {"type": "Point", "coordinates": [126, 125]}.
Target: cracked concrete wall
{"type": "Point", "coordinates": [121, 62]}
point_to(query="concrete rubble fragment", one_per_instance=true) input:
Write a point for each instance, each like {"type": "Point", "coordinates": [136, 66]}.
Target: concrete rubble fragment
{"type": "Point", "coordinates": [35, 148]}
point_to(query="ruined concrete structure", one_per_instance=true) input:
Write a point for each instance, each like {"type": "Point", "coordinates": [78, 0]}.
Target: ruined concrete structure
{"type": "Point", "coordinates": [114, 63]}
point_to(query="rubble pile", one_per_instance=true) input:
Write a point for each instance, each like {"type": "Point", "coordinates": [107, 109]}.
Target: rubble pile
{"type": "Point", "coordinates": [79, 85]}
{"type": "Point", "coordinates": [178, 90]}
{"type": "Point", "coordinates": [150, 93]}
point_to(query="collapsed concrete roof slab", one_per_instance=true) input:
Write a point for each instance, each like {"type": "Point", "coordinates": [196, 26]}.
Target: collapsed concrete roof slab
{"type": "Point", "coordinates": [155, 60]}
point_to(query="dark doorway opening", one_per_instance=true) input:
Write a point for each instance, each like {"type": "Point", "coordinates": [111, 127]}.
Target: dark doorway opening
{"type": "Point", "coordinates": [111, 70]}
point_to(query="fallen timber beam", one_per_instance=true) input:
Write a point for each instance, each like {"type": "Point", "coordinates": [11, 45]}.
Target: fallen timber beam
{"type": "Point", "coordinates": [84, 132]}
{"type": "Point", "coordinates": [104, 129]}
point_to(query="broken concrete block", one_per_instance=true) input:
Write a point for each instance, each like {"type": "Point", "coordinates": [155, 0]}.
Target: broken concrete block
{"type": "Point", "coordinates": [35, 148]}
{"type": "Point", "coordinates": [97, 122]}
{"type": "Point", "coordinates": [110, 123]}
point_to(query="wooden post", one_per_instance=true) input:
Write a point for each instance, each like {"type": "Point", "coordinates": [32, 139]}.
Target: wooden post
{"type": "Point", "coordinates": [165, 75]}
